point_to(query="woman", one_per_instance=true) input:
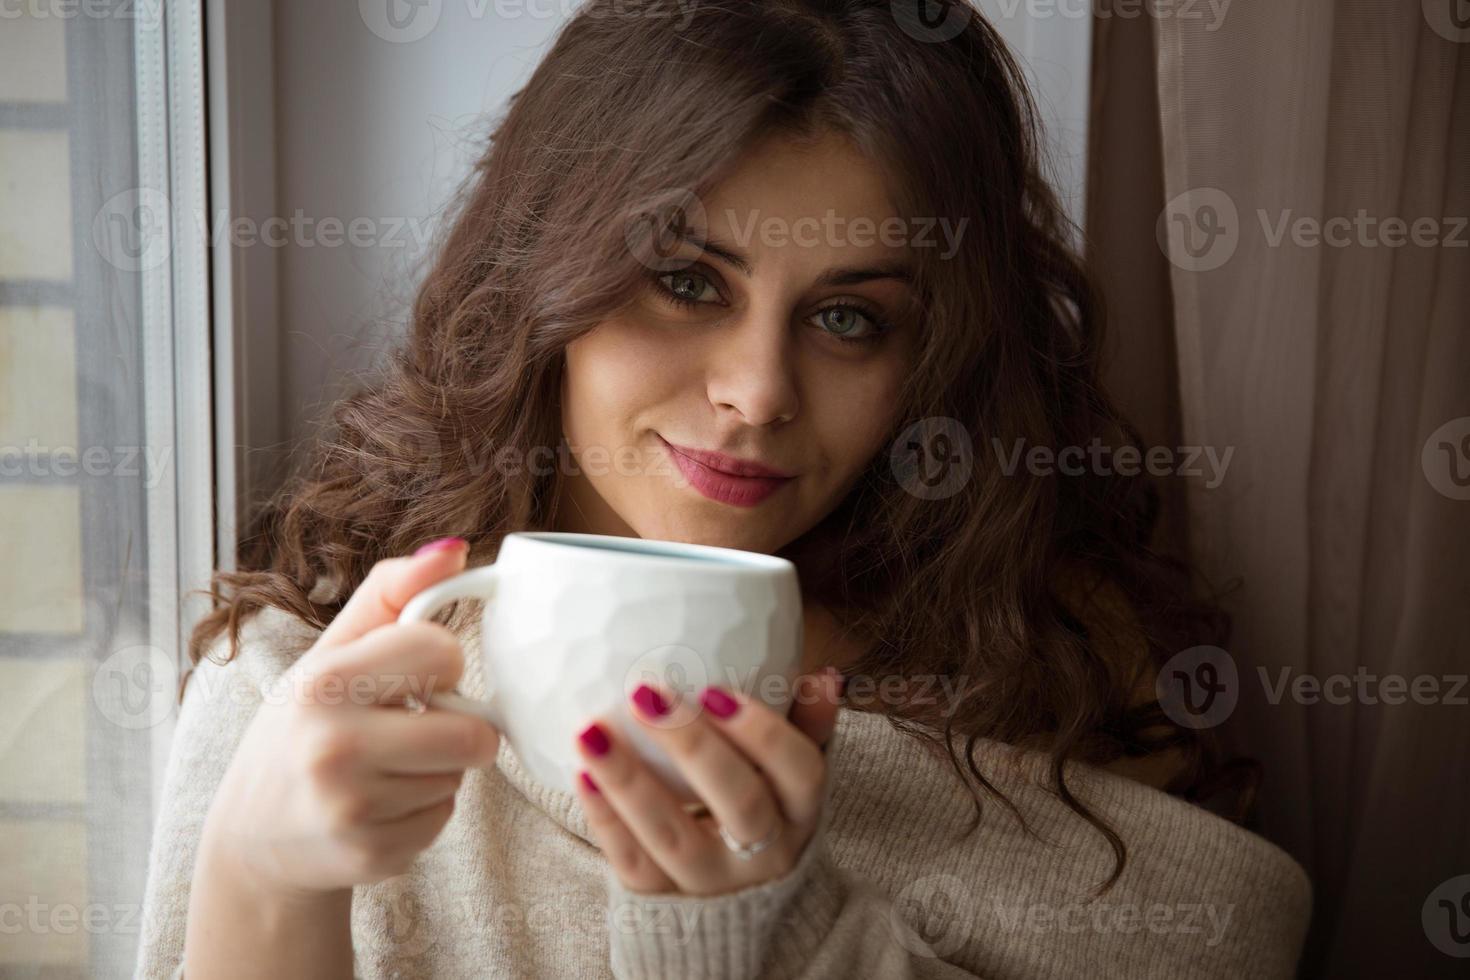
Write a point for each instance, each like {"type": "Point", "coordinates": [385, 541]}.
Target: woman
{"type": "Point", "coordinates": [779, 275]}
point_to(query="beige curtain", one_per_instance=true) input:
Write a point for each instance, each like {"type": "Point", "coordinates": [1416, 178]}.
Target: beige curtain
{"type": "Point", "coordinates": [1334, 357]}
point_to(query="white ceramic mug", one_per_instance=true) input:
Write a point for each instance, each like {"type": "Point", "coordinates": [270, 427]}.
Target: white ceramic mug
{"type": "Point", "coordinates": [573, 623]}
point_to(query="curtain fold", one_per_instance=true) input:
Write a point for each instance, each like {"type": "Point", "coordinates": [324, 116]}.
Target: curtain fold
{"type": "Point", "coordinates": [1326, 340]}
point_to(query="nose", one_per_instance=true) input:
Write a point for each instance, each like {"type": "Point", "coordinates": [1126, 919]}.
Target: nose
{"type": "Point", "coordinates": [751, 373]}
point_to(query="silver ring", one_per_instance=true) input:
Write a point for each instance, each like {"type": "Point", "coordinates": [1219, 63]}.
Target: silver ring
{"type": "Point", "coordinates": [414, 705]}
{"type": "Point", "coordinates": [747, 851]}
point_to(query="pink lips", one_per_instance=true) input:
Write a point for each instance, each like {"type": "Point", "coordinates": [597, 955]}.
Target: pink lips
{"type": "Point", "coordinates": [724, 478]}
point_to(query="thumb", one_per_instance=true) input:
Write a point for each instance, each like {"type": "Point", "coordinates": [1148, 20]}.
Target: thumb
{"type": "Point", "coordinates": [389, 586]}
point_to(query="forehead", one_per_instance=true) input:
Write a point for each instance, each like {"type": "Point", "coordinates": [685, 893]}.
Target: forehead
{"type": "Point", "coordinates": [821, 198]}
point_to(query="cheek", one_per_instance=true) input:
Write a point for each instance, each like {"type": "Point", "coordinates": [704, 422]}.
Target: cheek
{"type": "Point", "coordinates": [605, 385]}
{"type": "Point", "coordinates": [854, 417]}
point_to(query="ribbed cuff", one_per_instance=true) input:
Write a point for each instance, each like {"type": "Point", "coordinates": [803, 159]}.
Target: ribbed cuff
{"type": "Point", "coordinates": [725, 937]}
{"type": "Point", "coordinates": [738, 935]}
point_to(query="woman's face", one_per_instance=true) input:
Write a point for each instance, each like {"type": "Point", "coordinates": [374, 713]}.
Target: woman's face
{"type": "Point", "coordinates": [770, 348]}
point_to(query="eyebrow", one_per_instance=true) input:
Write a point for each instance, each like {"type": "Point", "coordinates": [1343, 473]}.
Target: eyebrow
{"type": "Point", "coordinates": [852, 276]}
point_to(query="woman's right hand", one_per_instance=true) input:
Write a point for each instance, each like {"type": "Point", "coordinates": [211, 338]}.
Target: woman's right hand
{"type": "Point", "coordinates": [334, 782]}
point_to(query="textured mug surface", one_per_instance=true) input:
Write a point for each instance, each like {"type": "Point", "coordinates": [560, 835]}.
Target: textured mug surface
{"type": "Point", "coordinates": [573, 623]}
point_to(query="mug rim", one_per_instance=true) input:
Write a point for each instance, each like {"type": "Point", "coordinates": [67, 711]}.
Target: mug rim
{"type": "Point", "coordinates": [691, 556]}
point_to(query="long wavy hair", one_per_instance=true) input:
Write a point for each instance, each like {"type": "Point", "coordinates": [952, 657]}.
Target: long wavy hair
{"type": "Point", "coordinates": [641, 104]}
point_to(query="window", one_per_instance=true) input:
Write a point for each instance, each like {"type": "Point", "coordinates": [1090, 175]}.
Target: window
{"type": "Point", "coordinates": [106, 483]}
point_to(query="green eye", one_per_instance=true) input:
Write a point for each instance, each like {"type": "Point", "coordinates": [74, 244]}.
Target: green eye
{"type": "Point", "coordinates": [684, 288]}
{"type": "Point", "coordinates": [844, 321]}
{"type": "Point", "coordinates": [841, 320]}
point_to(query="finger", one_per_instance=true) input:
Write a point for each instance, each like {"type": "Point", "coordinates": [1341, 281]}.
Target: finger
{"type": "Point", "coordinates": [413, 831]}
{"type": "Point", "coordinates": [646, 807]}
{"type": "Point", "coordinates": [435, 741]}
{"type": "Point", "coordinates": [816, 704]}
{"type": "Point", "coordinates": [394, 797]}
{"type": "Point", "coordinates": [740, 798]}
{"type": "Point", "coordinates": [791, 761]}
{"type": "Point", "coordinates": [388, 587]}
{"type": "Point", "coordinates": [634, 868]}
{"type": "Point", "coordinates": [385, 665]}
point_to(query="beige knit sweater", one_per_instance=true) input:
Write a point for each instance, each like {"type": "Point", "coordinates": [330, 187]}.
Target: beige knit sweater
{"type": "Point", "coordinates": [515, 887]}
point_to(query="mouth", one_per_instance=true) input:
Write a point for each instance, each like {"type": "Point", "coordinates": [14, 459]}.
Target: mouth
{"type": "Point", "coordinates": [741, 489]}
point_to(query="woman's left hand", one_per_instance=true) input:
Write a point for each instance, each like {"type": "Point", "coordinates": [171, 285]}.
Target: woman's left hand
{"type": "Point", "coordinates": [757, 772]}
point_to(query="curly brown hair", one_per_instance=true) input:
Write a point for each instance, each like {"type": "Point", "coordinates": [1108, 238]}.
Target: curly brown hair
{"type": "Point", "coordinates": [623, 115]}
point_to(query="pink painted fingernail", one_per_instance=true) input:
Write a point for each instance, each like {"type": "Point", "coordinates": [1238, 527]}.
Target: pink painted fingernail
{"type": "Point", "coordinates": [443, 544]}
{"type": "Point", "coordinates": [720, 704]}
{"type": "Point", "coordinates": [595, 739]}
{"type": "Point", "coordinates": [650, 702]}
{"type": "Point", "coordinates": [587, 781]}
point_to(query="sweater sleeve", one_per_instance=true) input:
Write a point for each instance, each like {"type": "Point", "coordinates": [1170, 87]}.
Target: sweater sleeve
{"type": "Point", "coordinates": [817, 920]}
{"type": "Point", "coordinates": [219, 701]}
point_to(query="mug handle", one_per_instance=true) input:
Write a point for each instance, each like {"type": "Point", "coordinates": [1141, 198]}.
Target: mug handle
{"type": "Point", "coordinates": [477, 583]}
